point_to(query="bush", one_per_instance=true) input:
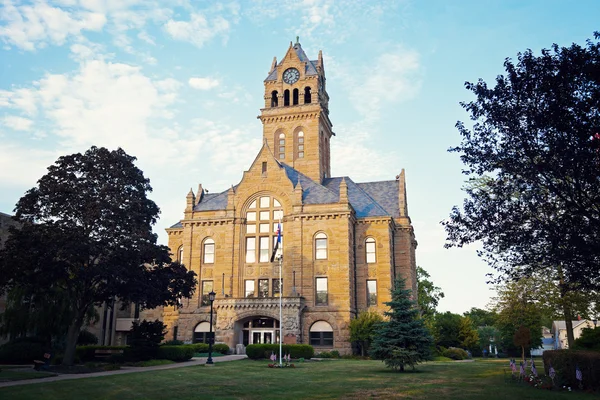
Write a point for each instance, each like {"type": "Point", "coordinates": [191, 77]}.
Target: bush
{"type": "Point", "coordinates": [565, 361]}
{"type": "Point", "coordinates": [589, 340]}
{"type": "Point", "coordinates": [22, 351]}
{"type": "Point", "coordinates": [86, 337]}
{"type": "Point", "coordinates": [263, 351]}
{"type": "Point", "coordinates": [172, 343]}
{"type": "Point", "coordinates": [175, 353]}
{"type": "Point", "coordinates": [221, 348]}
{"type": "Point", "coordinates": [456, 353]}
{"type": "Point", "coordinates": [145, 339]}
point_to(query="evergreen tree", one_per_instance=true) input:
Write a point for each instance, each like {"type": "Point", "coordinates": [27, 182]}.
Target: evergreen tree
{"type": "Point", "coordinates": [403, 339]}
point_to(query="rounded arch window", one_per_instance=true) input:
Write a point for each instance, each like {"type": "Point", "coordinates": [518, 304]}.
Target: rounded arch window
{"type": "Point", "coordinates": [321, 246]}
{"type": "Point", "coordinates": [208, 251]}
{"type": "Point", "coordinates": [370, 254]}
{"type": "Point", "coordinates": [281, 146]}
{"type": "Point", "coordinates": [180, 254]}
{"type": "Point", "coordinates": [321, 334]}
{"type": "Point", "coordinates": [202, 332]}
{"type": "Point", "coordinates": [274, 98]}
{"type": "Point", "coordinates": [262, 225]}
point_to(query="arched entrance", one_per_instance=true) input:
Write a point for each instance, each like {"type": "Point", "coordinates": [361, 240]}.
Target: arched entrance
{"type": "Point", "coordinates": [259, 329]}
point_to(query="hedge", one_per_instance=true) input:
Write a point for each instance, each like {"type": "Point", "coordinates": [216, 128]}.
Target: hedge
{"type": "Point", "coordinates": [203, 348]}
{"type": "Point", "coordinates": [175, 353]}
{"type": "Point", "coordinates": [260, 351]}
{"type": "Point", "coordinates": [564, 363]}
{"type": "Point", "coordinates": [22, 351]}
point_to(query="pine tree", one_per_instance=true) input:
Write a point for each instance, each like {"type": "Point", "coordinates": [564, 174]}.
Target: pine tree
{"type": "Point", "coordinates": [403, 339]}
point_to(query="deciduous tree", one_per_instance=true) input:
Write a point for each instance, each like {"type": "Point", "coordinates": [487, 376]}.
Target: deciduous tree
{"type": "Point", "coordinates": [87, 230]}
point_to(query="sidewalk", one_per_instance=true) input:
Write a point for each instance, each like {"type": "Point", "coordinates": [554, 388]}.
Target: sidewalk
{"type": "Point", "coordinates": [123, 370]}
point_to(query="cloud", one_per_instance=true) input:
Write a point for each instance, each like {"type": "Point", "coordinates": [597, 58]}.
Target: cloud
{"type": "Point", "coordinates": [198, 30]}
{"type": "Point", "coordinates": [203, 83]}
{"type": "Point", "coordinates": [34, 26]}
{"type": "Point", "coordinates": [17, 123]}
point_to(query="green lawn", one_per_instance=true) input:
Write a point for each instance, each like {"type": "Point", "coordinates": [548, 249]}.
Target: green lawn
{"type": "Point", "coordinates": [16, 375]}
{"type": "Point", "coordinates": [331, 379]}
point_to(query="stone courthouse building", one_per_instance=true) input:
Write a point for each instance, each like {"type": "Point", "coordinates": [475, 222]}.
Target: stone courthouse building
{"type": "Point", "coordinates": [343, 243]}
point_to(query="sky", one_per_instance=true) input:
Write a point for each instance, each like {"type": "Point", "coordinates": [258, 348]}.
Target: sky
{"type": "Point", "coordinates": [179, 84]}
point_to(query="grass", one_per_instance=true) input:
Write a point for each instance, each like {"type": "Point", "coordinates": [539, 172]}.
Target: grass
{"type": "Point", "coordinates": [18, 375]}
{"type": "Point", "coordinates": [347, 379]}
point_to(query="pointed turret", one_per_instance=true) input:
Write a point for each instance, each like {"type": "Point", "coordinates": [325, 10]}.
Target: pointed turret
{"type": "Point", "coordinates": [343, 191]}
{"type": "Point", "coordinates": [402, 203]}
{"type": "Point", "coordinates": [199, 194]}
{"type": "Point", "coordinates": [190, 201]}
{"type": "Point", "coordinates": [273, 65]}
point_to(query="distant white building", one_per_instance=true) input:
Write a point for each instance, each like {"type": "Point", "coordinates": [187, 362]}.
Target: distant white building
{"type": "Point", "coordinates": [547, 343]}
{"type": "Point", "coordinates": [559, 332]}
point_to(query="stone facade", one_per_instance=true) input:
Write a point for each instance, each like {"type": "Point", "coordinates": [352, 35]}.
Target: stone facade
{"type": "Point", "coordinates": [343, 243]}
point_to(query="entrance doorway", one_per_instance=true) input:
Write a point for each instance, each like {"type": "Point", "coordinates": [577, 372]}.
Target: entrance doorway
{"type": "Point", "coordinates": [260, 330]}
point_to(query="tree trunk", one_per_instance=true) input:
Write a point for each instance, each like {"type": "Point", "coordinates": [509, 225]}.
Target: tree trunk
{"type": "Point", "coordinates": [567, 311]}
{"type": "Point", "coordinates": [523, 353]}
{"type": "Point", "coordinates": [72, 335]}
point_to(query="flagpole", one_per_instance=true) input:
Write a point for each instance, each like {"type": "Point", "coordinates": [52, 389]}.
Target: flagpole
{"type": "Point", "coordinates": [280, 308]}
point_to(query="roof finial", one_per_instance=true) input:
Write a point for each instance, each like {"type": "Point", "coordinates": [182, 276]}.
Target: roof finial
{"type": "Point", "coordinates": [297, 39]}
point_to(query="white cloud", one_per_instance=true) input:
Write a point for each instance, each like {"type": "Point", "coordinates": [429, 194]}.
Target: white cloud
{"type": "Point", "coordinates": [198, 30]}
{"type": "Point", "coordinates": [203, 83]}
{"type": "Point", "coordinates": [33, 26]}
{"type": "Point", "coordinates": [17, 123]}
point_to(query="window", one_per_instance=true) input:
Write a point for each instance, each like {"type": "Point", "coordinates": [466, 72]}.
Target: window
{"type": "Point", "coordinates": [321, 292]}
{"type": "Point", "coordinates": [321, 246]}
{"type": "Point", "coordinates": [263, 288]}
{"type": "Point", "coordinates": [295, 97]}
{"type": "Point", "coordinates": [249, 288]}
{"type": "Point", "coordinates": [209, 251]}
{"type": "Point", "coordinates": [261, 229]}
{"type": "Point", "coordinates": [300, 144]}
{"type": "Point", "coordinates": [307, 97]}
{"type": "Point", "coordinates": [264, 249]}
{"type": "Point", "coordinates": [286, 97]}
{"type": "Point", "coordinates": [371, 293]}
{"type": "Point", "coordinates": [321, 334]}
{"type": "Point", "coordinates": [281, 146]}
{"type": "Point", "coordinates": [264, 168]}
{"type": "Point", "coordinates": [274, 99]}
{"type": "Point", "coordinates": [202, 332]}
{"type": "Point", "coordinates": [180, 254]}
{"type": "Point", "coordinates": [207, 287]}
{"type": "Point", "coordinates": [277, 287]}
{"type": "Point", "coordinates": [250, 249]}
{"type": "Point", "coordinates": [370, 250]}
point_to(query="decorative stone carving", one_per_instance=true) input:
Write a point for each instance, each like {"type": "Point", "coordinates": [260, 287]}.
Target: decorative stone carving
{"type": "Point", "coordinates": [371, 272]}
{"type": "Point", "coordinates": [207, 273]}
{"type": "Point", "coordinates": [249, 271]}
{"type": "Point", "coordinates": [321, 270]}
{"type": "Point", "coordinates": [264, 271]}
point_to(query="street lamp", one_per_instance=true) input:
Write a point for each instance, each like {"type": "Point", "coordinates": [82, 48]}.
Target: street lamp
{"type": "Point", "coordinates": [211, 297]}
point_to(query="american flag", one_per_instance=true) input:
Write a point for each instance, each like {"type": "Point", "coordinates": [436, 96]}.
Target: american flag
{"type": "Point", "coordinates": [551, 372]}
{"type": "Point", "coordinates": [522, 371]}
{"type": "Point", "coordinates": [533, 368]}
{"type": "Point", "coordinates": [578, 373]}
{"type": "Point", "coordinates": [273, 357]}
{"type": "Point", "coordinates": [513, 365]}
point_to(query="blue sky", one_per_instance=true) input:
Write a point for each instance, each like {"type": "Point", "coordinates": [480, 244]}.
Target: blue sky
{"type": "Point", "coordinates": [179, 84]}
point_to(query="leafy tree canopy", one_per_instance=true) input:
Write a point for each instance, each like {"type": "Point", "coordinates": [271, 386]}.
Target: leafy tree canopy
{"type": "Point", "coordinates": [87, 231]}
{"type": "Point", "coordinates": [429, 295]}
{"type": "Point", "coordinates": [532, 157]}
{"type": "Point", "coordinates": [481, 317]}
{"type": "Point", "coordinates": [362, 329]}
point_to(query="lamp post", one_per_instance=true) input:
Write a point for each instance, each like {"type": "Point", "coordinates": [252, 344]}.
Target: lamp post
{"type": "Point", "coordinates": [211, 297]}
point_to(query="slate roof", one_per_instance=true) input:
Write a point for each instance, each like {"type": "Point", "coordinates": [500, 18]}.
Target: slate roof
{"type": "Point", "coordinates": [212, 202]}
{"type": "Point", "coordinates": [310, 70]}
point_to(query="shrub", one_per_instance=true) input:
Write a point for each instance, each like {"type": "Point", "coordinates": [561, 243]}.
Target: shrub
{"type": "Point", "coordinates": [456, 353]}
{"type": "Point", "coordinates": [175, 353]}
{"type": "Point", "coordinates": [86, 337]}
{"type": "Point", "coordinates": [324, 354]}
{"type": "Point", "coordinates": [263, 351]}
{"type": "Point", "coordinates": [565, 361]}
{"type": "Point", "coordinates": [589, 340]}
{"type": "Point", "coordinates": [145, 339]}
{"type": "Point", "coordinates": [172, 343]}
{"type": "Point", "coordinates": [88, 353]}
{"type": "Point", "coordinates": [22, 351]}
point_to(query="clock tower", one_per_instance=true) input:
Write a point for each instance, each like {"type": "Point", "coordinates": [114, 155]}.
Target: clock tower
{"type": "Point", "coordinates": [296, 124]}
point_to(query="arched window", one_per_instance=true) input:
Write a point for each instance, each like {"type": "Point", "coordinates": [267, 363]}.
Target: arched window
{"type": "Point", "coordinates": [370, 250]}
{"type": "Point", "coordinates": [274, 99]}
{"type": "Point", "coordinates": [300, 142]}
{"type": "Point", "coordinates": [202, 332]}
{"type": "Point", "coordinates": [281, 146]}
{"type": "Point", "coordinates": [209, 251]}
{"type": "Point", "coordinates": [307, 96]}
{"type": "Point", "coordinates": [320, 246]}
{"type": "Point", "coordinates": [180, 254]}
{"type": "Point", "coordinates": [262, 223]}
{"type": "Point", "coordinates": [321, 334]}
{"type": "Point", "coordinates": [286, 97]}
{"type": "Point", "coordinates": [295, 97]}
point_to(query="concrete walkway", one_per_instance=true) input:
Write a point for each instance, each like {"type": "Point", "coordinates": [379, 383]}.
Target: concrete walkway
{"type": "Point", "coordinates": [123, 370]}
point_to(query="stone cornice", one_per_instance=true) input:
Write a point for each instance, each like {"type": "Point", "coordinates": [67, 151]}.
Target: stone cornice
{"type": "Point", "coordinates": [324, 216]}
{"type": "Point", "coordinates": [289, 116]}
{"type": "Point", "coordinates": [207, 222]}
{"type": "Point", "coordinates": [258, 303]}
{"type": "Point", "coordinates": [375, 220]}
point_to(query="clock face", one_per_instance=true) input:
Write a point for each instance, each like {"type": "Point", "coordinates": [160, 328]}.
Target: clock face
{"type": "Point", "coordinates": [291, 75]}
